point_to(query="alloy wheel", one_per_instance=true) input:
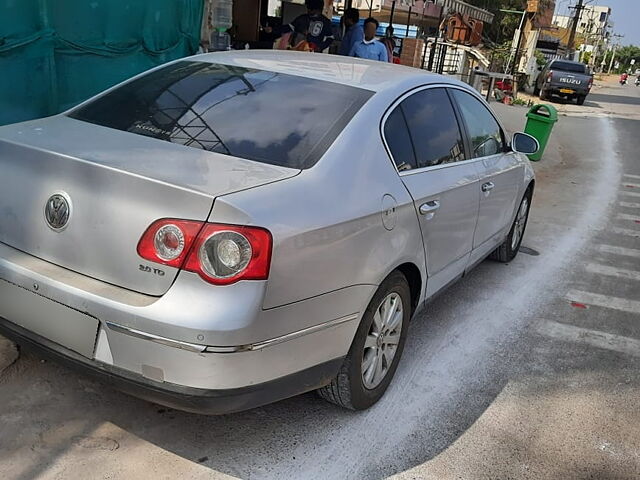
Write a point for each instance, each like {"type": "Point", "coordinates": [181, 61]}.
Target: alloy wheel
{"type": "Point", "coordinates": [520, 223]}
{"type": "Point", "coordinates": [382, 341]}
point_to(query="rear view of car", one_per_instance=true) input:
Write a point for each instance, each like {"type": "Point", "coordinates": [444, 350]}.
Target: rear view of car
{"type": "Point", "coordinates": [564, 78]}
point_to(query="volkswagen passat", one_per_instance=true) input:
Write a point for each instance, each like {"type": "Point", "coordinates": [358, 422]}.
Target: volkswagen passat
{"type": "Point", "coordinates": [235, 228]}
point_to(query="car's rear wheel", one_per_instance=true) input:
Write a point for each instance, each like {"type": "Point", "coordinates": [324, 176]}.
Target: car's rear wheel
{"type": "Point", "coordinates": [580, 99]}
{"type": "Point", "coordinates": [543, 95]}
{"type": "Point", "coordinates": [510, 247]}
{"type": "Point", "coordinates": [376, 349]}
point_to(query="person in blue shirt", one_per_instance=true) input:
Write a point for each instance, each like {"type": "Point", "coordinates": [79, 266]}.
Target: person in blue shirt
{"type": "Point", "coordinates": [354, 33]}
{"type": "Point", "coordinates": [369, 47]}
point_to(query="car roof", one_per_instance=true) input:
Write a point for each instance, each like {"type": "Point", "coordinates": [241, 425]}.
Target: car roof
{"type": "Point", "coordinates": [366, 74]}
{"type": "Point", "coordinates": [567, 61]}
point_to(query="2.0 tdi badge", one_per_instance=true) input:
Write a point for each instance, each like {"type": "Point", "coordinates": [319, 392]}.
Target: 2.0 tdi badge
{"type": "Point", "coordinates": [57, 211]}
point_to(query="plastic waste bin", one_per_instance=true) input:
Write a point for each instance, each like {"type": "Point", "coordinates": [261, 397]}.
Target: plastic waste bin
{"type": "Point", "coordinates": [540, 121]}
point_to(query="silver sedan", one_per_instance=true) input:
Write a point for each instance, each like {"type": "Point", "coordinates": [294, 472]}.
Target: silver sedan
{"type": "Point", "coordinates": [231, 229]}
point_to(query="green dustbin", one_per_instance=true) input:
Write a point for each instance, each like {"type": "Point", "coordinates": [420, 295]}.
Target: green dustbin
{"type": "Point", "coordinates": [540, 120]}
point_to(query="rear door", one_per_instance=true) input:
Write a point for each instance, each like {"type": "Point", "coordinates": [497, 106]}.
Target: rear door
{"type": "Point", "coordinates": [500, 172]}
{"type": "Point", "coordinates": [426, 143]}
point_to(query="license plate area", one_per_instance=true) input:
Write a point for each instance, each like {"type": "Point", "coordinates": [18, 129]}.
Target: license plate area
{"type": "Point", "coordinates": [65, 326]}
{"type": "Point", "coordinates": [566, 90]}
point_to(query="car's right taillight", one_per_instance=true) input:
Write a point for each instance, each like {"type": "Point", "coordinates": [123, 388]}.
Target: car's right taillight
{"type": "Point", "coordinates": [225, 254]}
{"type": "Point", "coordinates": [221, 254]}
{"type": "Point", "coordinates": [590, 83]}
{"type": "Point", "coordinates": [549, 75]}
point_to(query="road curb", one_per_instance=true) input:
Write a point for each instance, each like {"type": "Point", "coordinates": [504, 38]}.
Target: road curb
{"type": "Point", "coordinates": [8, 353]}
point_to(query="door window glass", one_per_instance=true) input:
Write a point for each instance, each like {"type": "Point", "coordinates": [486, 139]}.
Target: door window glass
{"type": "Point", "coordinates": [433, 127]}
{"type": "Point", "coordinates": [398, 140]}
{"type": "Point", "coordinates": [484, 132]}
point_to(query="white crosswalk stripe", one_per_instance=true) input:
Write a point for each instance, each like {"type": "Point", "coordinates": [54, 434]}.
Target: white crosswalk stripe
{"type": "Point", "coordinates": [624, 231]}
{"type": "Point", "coordinates": [625, 216]}
{"type": "Point", "coordinates": [606, 301]}
{"type": "Point", "coordinates": [629, 204]}
{"type": "Point", "coordinates": [631, 175]}
{"type": "Point", "coordinates": [630, 194]}
{"type": "Point", "coordinates": [628, 252]}
{"type": "Point", "coordinates": [571, 333]}
{"type": "Point", "coordinates": [613, 271]}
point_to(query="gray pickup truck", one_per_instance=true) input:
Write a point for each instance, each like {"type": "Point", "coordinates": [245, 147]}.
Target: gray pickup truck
{"type": "Point", "coordinates": [565, 78]}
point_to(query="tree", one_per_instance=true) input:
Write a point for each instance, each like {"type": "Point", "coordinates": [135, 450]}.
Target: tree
{"type": "Point", "coordinates": [504, 24]}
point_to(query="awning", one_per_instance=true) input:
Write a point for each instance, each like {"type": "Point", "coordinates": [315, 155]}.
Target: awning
{"type": "Point", "coordinates": [458, 6]}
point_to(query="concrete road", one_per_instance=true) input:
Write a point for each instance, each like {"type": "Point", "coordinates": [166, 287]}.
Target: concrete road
{"type": "Point", "coordinates": [526, 370]}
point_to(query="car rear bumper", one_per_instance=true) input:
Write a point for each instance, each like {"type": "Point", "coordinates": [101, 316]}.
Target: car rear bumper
{"type": "Point", "coordinates": [186, 344]}
{"type": "Point", "coordinates": [196, 400]}
{"type": "Point", "coordinates": [557, 90]}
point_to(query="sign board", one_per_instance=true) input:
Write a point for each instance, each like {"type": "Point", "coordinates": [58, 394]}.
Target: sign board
{"type": "Point", "coordinates": [633, 61]}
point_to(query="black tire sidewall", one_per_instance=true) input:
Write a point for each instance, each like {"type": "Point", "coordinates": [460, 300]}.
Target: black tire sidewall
{"type": "Point", "coordinates": [361, 397]}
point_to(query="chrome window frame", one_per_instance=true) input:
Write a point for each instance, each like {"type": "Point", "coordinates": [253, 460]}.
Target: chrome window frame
{"type": "Point", "coordinates": [462, 128]}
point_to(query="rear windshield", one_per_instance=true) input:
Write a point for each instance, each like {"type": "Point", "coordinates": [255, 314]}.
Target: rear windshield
{"type": "Point", "coordinates": [569, 67]}
{"type": "Point", "coordinates": [264, 116]}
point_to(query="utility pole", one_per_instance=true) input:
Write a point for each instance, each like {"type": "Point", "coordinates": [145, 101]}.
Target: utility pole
{"type": "Point", "coordinates": [576, 20]}
{"type": "Point", "coordinates": [613, 54]}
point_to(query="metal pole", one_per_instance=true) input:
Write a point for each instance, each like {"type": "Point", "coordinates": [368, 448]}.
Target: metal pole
{"type": "Point", "coordinates": [435, 41]}
{"type": "Point", "coordinates": [572, 34]}
{"type": "Point", "coordinates": [510, 67]}
{"type": "Point", "coordinates": [613, 56]}
{"type": "Point", "coordinates": [393, 8]}
{"type": "Point", "coordinates": [408, 20]}
{"type": "Point", "coordinates": [370, 7]}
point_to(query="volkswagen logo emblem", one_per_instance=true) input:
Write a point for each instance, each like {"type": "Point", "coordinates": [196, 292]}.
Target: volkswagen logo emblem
{"type": "Point", "coordinates": [57, 211]}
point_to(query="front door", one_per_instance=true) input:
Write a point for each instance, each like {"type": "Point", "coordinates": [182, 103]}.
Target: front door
{"type": "Point", "coordinates": [499, 169]}
{"type": "Point", "coordinates": [425, 141]}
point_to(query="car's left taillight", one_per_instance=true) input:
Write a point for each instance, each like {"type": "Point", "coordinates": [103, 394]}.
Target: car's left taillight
{"type": "Point", "coordinates": [221, 254]}
{"type": "Point", "coordinates": [590, 83]}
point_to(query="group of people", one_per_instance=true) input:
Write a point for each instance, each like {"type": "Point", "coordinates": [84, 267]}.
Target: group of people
{"type": "Point", "coordinates": [316, 33]}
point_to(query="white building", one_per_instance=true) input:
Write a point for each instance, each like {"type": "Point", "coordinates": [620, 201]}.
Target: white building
{"type": "Point", "coordinates": [593, 20]}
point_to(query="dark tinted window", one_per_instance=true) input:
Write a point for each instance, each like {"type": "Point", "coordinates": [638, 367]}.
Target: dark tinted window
{"type": "Point", "coordinates": [265, 116]}
{"type": "Point", "coordinates": [568, 67]}
{"type": "Point", "coordinates": [397, 136]}
{"type": "Point", "coordinates": [484, 131]}
{"type": "Point", "coordinates": [433, 127]}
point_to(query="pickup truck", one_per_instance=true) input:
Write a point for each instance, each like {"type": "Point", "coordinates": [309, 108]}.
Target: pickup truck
{"type": "Point", "coordinates": [565, 78]}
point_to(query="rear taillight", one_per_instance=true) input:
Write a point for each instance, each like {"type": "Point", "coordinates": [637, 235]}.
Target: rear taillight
{"type": "Point", "coordinates": [168, 241]}
{"type": "Point", "coordinates": [549, 75]}
{"type": "Point", "coordinates": [590, 83]}
{"type": "Point", "coordinates": [220, 254]}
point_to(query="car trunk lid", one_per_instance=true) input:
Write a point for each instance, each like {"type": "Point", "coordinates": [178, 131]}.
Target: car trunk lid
{"type": "Point", "coordinates": [117, 184]}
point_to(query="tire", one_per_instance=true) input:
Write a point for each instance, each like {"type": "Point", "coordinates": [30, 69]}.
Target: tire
{"type": "Point", "coordinates": [536, 91]}
{"type": "Point", "coordinates": [348, 388]}
{"type": "Point", "coordinates": [510, 247]}
{"type": "Point", "coordinates": [580, 99]}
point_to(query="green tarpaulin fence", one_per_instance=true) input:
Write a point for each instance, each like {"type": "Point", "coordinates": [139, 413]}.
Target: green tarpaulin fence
{"type": "Point", "coordinates": [56, 53]}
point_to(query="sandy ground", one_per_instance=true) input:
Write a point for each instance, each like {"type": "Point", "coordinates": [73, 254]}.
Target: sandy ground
{"type": "Point", "coordinates": [526, 370]}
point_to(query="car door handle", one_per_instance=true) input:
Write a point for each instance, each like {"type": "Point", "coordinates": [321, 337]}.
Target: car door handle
{"type": "Point", "coordinates": [487, 187]}
{"type": "Point", "coordinates": [429, 208]}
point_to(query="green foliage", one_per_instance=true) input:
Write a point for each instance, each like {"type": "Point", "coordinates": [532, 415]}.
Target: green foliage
{"type": "Point", "coordinates": [504, 24]}
{"type": "Point", "coordinates": [541, 60]}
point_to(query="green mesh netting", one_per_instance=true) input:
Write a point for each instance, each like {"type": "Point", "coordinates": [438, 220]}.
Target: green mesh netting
{"type": "Point", "coordinates": [56, 53]}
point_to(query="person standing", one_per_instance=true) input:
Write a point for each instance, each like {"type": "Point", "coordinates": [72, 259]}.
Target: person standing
{"type": "Point", "coordinates": [369, 47]}
{"type": "Point", "coordinates": [354, 33]}
{"type": "Point", "coordinates": [313, 25]}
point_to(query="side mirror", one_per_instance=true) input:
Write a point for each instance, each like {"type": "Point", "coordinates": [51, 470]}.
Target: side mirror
{"type": "Point", "coordinates": [524, 143]}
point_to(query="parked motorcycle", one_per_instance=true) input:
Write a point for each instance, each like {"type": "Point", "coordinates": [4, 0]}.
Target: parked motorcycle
{"type": "Point", "coordinates": [637, 82]}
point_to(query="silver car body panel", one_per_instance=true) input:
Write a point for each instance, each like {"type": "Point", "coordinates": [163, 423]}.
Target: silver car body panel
{"type": "Point", "coordinates": [339, 228]}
